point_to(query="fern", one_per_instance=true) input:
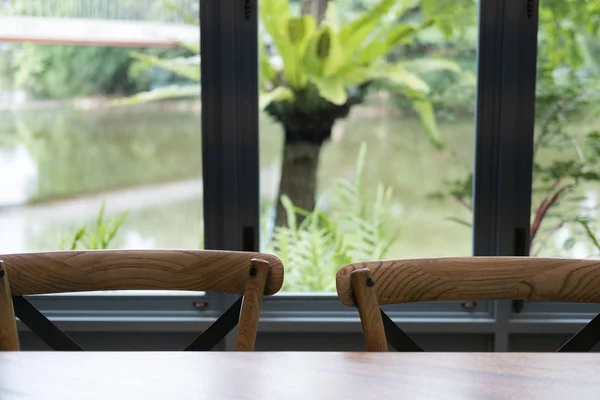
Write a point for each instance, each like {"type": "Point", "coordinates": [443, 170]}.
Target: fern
{"type": "Point", "coordinates": [100, 236]}
{"type": "Point", "coordinates": [355, 230]}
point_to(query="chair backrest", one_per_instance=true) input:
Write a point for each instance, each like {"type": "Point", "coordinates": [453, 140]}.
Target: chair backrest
{"type": "Point", "coordinates": [250, 275]}
{"type": "Point", "coordinates": [368, 285]}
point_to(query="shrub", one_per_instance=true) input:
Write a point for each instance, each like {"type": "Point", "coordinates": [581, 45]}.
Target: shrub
{"type": "Point", "coordinates": [355, 229]}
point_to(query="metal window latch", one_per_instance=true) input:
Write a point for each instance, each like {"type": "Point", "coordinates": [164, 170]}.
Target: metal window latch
{"type": "Point", "coordinates": [518, 305]}
{"type": "Point", "coordinates": [468, 304]}
{"type": "Point", "coordinates": [200, 304]}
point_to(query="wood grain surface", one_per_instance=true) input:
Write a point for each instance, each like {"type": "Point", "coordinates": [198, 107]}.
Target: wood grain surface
{"type": "Point", "coordinates": [9, 337]}
{"type": "Point", "coordinates": [249, 376]}
{"type": "Point", "coordinates": [79, 271]}
{"type": "Point", "coordinates": [368, 308]}
{"type": "Point", "coordinates": [474, 278]}
{"type": "Point", "coordinates": [250, 312]}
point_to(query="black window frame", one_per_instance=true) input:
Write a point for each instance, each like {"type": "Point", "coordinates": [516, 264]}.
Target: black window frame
{"type": "Point", "coordinates": [504, 123]}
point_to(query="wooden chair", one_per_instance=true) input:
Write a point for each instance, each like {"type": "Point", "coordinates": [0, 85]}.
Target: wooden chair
{"type": "Point", "coordinates": [371, 284]}
{"type": "Point", "coordinates": [250, 275]}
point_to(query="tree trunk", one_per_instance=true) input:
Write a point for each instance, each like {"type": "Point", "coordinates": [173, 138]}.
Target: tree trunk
{"type": "Point", "coordinates": [298, 176]}
{"type": "Point", "coordinates": [316, 8]}
{"type": "Point", "coordinates": [306, 129]}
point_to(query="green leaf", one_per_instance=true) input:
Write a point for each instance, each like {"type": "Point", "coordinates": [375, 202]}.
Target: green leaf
{"type": "Point", "coordinates": [116, 227]}
{"type": "Point", "coordinates": [402, 78]}
{"type": "Point", "coordinates": [100, 217]}
{"type": "Point", "coordinates": [164, 93]}
{"type": "Point", "coordinates": [275, 15]}
{"type": "Point", "coordinates": [383, 43]}
{"type": "Point", "coordinates": [425, 65]}
{"type": "Point", "coordinates": [569, 243]}
{"type": "Point", "coordinates": [324, 55]}
{"type": "Point", "coordinates": [332, 90]}
{"type": "Point", "coordinates": [300, 31]}
{"type": "Point", "coordinates": [425, 111]}
{"type": "Point", "coordinates": [289, 209]}
{"type": "Point", "coordinates": [93, 242]}
{"type": "Point", "coordinates": [360, 164]}
{"type": "Point", "coordinates": [460, 221]}
{"type": "Point", "coordinates": [280, 93]}
{"type": "Point", "coordinates": [186, 67]}
{"type": "Point", "coordinates": [78, 236]}
{"type": "Point", "coordinates": [588, 230]}
{"type": "Point", "coordinates": [354, 34]}
{"type": "Point", "coordinates": [193, 47]}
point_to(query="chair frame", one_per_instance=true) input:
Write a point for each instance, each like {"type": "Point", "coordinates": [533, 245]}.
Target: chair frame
{"type": "Point", "coordinates": [251, 275]}
{"type": "Point", "coordinates": [369, 285]}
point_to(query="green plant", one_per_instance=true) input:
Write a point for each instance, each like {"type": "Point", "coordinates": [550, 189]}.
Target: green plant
{"type": "Point", "coordinates": [99, 236]}
{"type": "Point", "coordinates": [563, 26]}
{"type": "Point", "coordinates": [186, 66]}
{"type": "Point", "coordinates": [326, 68]}
{"type": "Point", "coordinates": [355, 229]}
{"type": "Point", "coordinates": [57, 71]}
{"type": "Point", "coordinates": [574, 161]}
{"type": "Point", "coordinates": [63, 71]}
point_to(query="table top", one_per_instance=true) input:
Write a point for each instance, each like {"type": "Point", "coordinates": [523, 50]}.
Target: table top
{"type": "Point", "coordinates": [307, 375]}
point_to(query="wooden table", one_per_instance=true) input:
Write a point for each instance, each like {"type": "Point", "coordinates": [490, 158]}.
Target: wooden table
{"type": "Point", "coordinates": [282, 376]}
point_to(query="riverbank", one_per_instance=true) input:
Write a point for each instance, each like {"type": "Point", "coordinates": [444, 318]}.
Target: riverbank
{"type": "Point", "coordinates": [18, 101]}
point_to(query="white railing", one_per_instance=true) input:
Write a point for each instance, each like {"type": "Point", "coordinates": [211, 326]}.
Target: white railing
{"type": "Point", "coordinates": [131, 10]}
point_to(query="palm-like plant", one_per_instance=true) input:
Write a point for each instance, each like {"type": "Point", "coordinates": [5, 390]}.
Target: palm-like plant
{"type": "Point", "coordinates": [326, 68]}
{"type": "Point", "coordinates": [312, 73]}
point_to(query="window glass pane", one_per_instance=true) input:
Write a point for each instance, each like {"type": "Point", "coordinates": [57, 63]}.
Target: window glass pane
{"type": "Point", "coordinates": [566, 173]}
{"type": "Point", "coordinates": [374, 125]}
{"type": "Point", "coordinates": [72, 141]}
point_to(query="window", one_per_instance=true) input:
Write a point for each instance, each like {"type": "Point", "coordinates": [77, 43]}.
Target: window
{"type": "Point", "coordinates": [566, 157]}
{"type": "Point", "coordinates": [87, 150]}
{"type": "Point", "coordinates": [466, 136]}
{"type": "Point", "coordinates": [565, 184]}
{"type": "Point", "coordinates": [375, 129]}
{"type": "Point", "coordinates": [72, 141]}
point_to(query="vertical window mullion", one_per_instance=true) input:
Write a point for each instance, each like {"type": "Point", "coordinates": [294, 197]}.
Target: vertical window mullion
{"type": "Point", "coordinates": [507, 55]}
{"type": "Point", "coordinates": [229, 65]}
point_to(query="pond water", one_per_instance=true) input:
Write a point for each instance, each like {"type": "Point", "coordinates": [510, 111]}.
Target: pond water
{"type": "Point", "coordinates": [57, 167]}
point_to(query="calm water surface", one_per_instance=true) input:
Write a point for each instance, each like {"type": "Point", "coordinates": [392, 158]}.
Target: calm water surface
{"type": "Point", "coordinates": [58, 166]}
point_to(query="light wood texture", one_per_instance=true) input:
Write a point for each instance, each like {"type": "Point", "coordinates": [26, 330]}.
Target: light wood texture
{"type": "Point", "coordinates": [368, 308]}
{"type": "Point", "coordinates": [191, 270]}
{"type": "Point", "coordinates": [95, 32]}
{"type": "Point", "coordinates": [81, 271]}
{"type": "Point", "coordinates": [474, 278]}
{"type": "Point", "coordinates": [9, 338]}
{"type": "Point", "coordinates": [290, 376]}
{"type": "Point", "coordinates": [250, 312]}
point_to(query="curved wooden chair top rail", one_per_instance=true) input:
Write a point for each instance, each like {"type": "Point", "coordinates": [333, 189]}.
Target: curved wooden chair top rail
{"type": "Point", "coordinates": [190, 270]}
{"type": "Point", "coordinates": [251, 275]}
{"type": "Point", "coordinates": [473, 278]}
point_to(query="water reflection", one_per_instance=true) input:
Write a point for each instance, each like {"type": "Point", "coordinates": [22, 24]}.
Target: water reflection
{"type": "Point", "coordinates": [18, 174]}
{"type": "Point", "coordinates": [161, 216]}
{"type": "Point", "coordinates": [57, 166]}
{"type": "Point", "coordinates": [77, 153]}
